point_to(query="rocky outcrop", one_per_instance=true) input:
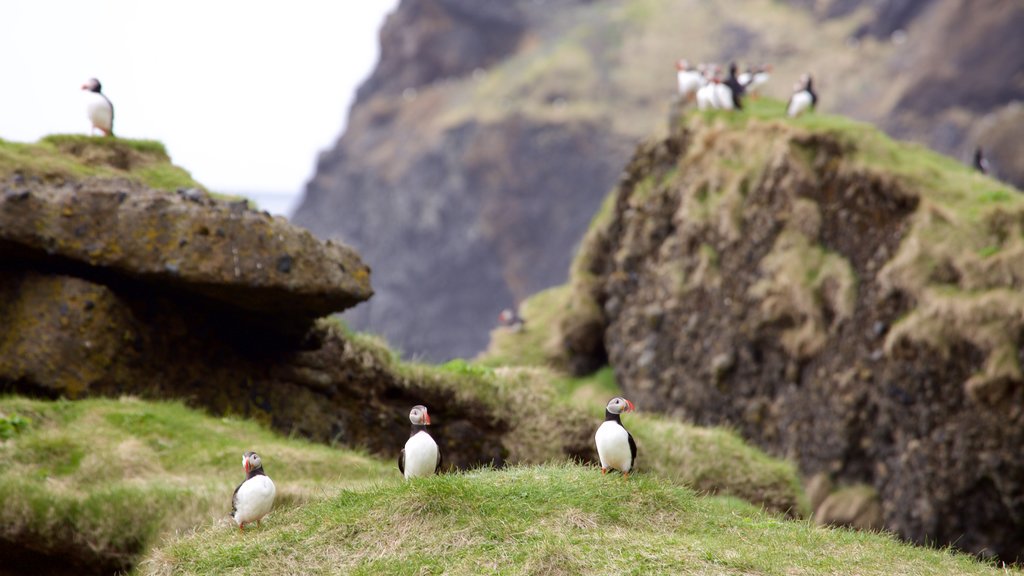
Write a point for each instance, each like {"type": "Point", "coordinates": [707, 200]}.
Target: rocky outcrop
{"type": "Point", "coordinates": [489, 132]}
{"type": "Point", "coordinates": [841, 300]}
{"type": "Point", "coordinates": [214, 249]}
{"type": "Point", "coordinates": [111, 288]}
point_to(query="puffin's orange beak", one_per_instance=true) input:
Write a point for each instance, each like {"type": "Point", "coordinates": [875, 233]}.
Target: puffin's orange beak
{"type": "Point", "coordinates": [630, 404]}
{"type": "Point", "coordinates": [84, 87]}
{"type": "Point", "coordinates": [426, 418]}
{"type": "Point", "coordinates": [245, 465]}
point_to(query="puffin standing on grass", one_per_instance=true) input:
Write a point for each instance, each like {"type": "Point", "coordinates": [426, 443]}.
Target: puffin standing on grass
{"type": "Point", "coordinates": [254, 497]}
{"type": "Point", "coordinates": [98, 108]}
{"type": "Point", "coordinates": [804, 98]}
{"type": "Point", "coordinates": [421, 455]}
{"type": "Point", "coordinates": [615, 446]}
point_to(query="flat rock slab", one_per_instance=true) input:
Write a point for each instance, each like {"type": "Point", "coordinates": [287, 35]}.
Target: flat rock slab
{"type": "Point", "coordinates": [181, 241]}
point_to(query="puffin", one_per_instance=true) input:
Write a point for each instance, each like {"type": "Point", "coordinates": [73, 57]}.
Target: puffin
{"type": "Point", "coordinates": [803, 98]}
{"type": "Point", "coordinates": [615, 446]}
{"type": "Point", "coordinates": [511, 319]}
{"type": "Point", "coordinates": [421, 455]}
{"type": "Point", "coordinates": [254, 497]}
{"type": "Point", "coordinates": [981, 163]}
{"type": "Point", "coordinates": [99, 108]}
{"type": "Point", "coordinates": [706, 93]}
{"type": "Point", "coordinates": [736, 88]}
{"type": "Point", "coordinates": [689, 80]}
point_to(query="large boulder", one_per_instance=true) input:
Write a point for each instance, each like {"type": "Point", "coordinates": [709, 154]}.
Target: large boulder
{"type": "Point", "coordinates": [212, 248]}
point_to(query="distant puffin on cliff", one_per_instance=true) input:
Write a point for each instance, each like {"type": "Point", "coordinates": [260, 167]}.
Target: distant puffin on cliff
{"type": "Point", "coordinates": [981, 163]}
{"type": "Point", "coordinates": [615, 446]}
{"type": "Point", "coordinates": [421, 455]}
{"type": "Point", "coordinates": [688, 80]}
{"type": "Point", "coordinates": [804, 98]}
{"type": "Point", "coordinates": [254, 497]}
{"type": "Point", "coordinates": [736, 89]}
{"type": "Point", "coordinates": [99, 108]}
{"type": "Point", "coordinates": [511, 319]}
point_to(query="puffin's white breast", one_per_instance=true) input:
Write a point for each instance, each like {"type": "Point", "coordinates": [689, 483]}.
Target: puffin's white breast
{"type": "Point", "coordinates": [613, 446]}
{"type": "Point", "coordinates": [705, 97]}
{"type": "Point", "coordinates": [99, 110]}
{"type": "Point", "coordinates": [420, 455]}
{"type": "Point", "coordinates": [254, 499]}
{"type": "Point", "coordinates": [801, 101]}
{"type": "Point", "coordinates": [689, 82]}
{"type": "Point", "coordinates": [723, 97]}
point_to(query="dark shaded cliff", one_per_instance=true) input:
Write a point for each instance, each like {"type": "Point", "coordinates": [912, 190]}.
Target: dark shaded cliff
{"type": "Point", "coordinates": [489, 132]}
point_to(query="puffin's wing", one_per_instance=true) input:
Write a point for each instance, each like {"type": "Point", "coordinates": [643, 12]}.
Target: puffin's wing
{"type": "Point", "coordinates": [111, 112]}
{"type": "Point", "coordinates": [632, 450]}
{"type": "Point", "coordinates": [234, 500]}
{"type": "Point", "coordinates": [814, 98]}
{"type": "Point", "coordinates": [401, 461]}
{"type": "Point", "coordinates": [440, 459]}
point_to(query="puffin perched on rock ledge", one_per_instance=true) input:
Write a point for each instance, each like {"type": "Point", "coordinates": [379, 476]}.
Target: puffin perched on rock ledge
{"type": "Point", "coordinates": [421, 455]}
{"type": "Point", "coordinates": [615, 446]}
{"type": "Point", "coordinates": [254, 497]}
{"type": "Point", "coordinates": [99, 108]}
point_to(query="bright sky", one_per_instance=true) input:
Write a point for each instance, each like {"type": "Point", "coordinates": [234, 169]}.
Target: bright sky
{"type": "Point", "coordinates": [244, 93]}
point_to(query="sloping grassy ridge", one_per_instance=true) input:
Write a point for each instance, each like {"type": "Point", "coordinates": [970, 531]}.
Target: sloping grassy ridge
{"type": "Point", "coordinates": [556, 519]}
{"type": "Point", "coordinates": [94, 483]}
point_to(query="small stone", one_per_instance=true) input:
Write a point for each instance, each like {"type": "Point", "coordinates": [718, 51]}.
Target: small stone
{"type": "Point", "coordinates": [284, 264]}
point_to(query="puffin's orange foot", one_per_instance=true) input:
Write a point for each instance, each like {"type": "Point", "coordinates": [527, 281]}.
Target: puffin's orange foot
{"type": "Point", "coordinates": [604, 470]}
{"type": "Point", "coordinates": [625, 475]}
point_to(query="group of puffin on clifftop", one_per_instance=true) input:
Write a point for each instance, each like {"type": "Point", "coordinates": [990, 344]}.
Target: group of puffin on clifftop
{"type": "Point", "coordinates": [421, 456]}
{"type": "Point", "coordinates": [705, 85]}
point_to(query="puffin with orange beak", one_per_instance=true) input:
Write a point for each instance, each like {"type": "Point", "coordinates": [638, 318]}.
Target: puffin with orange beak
{"type": "Point", "coordinates": [421, 455]}
{"type": "Point", "coordinates": [99, 108]}
{"type": "Point", "coordinates": [254, 497]}
{"type": "Point", "coordinates": [615, 446]}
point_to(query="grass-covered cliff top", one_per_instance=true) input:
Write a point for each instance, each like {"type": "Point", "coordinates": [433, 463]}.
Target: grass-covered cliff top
{"type": "Point", "coordinates": [63, 157]}
{"type": "Point", "coordinates": [960, 259]}
{"type": "Point", "coordinates": [555, 519]}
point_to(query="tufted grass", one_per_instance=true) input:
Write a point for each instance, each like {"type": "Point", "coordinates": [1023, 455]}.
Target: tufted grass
{"type": "Point", "coordinates": [552, 519]}
{"type": "Point", "coordinates": [106, 478]}
{"type": "Point", "coordinates": [63, 157]}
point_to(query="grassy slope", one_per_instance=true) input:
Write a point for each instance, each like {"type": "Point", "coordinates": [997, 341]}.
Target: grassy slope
{"type": "Point", "coordinates": [70, 157]}
{"type": "Point", "coordinates": [113, 475]}
{"type": "Point", "coordinates": [556, 519]}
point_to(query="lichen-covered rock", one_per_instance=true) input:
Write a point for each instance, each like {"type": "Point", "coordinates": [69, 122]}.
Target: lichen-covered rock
{"type": "Point", "coordinates": [64, 336]}
{"type": "Point", "coordinates": [189, 242]}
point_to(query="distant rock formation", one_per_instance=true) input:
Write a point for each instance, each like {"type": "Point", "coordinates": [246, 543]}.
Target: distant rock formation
{"type": "Point", "coordinates": [484, 141]}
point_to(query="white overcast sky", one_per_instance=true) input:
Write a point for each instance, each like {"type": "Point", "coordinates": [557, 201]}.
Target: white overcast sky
{"type": "Point", "coordinates": [244, 94]}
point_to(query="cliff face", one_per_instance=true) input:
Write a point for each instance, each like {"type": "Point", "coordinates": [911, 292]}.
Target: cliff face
{"type": "Point", "coordinates": [847, 302]}
{"type": "Point", "coordinates": [482, 144]}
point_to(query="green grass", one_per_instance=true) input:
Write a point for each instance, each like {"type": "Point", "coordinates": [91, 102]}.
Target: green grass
{"type": "Point", "coordinates": [555, 519]}
{"type": "Point", "coordinates": [62, 157]}
{"type": "Point", "coordinates": [108, 477]}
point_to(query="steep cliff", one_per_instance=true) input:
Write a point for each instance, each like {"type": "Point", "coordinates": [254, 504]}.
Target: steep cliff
{"type": "Point", "coordinates": [489, 132]}
{"type": "Point", "coordinates": [843, 300]}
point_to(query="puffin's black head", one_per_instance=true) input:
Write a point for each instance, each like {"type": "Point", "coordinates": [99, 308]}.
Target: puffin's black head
{"type": "Point", "coordinates": [251, 461]}
{"type": "Point", "coordinates": [732, 69]}
{"type": "Point", "coordinates": [619, 405]}
{"type": "Point", "coordinates": [92, 85]}
{"type": "Point", "coordinates": [418, 415]}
